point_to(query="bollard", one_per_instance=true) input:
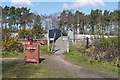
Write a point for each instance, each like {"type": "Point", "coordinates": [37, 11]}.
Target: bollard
{"type": "Point", "coordinates": [87, 43]}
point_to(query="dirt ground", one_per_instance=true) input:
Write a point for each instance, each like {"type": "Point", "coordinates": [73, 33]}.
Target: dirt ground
{"type": "Point", "coordinates": [54, 66]}
{"type": "Point", "coordinates": [76, 71]}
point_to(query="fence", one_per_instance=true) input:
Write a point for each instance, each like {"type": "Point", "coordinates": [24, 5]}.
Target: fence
{"type": "Point", "coordinates": [24, 41]}
{"type": "Point", "coordinates": [86, 40]}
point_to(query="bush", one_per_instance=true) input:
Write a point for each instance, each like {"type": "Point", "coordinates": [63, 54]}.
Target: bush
{"type": "Point", "coordinates": [10, 44]}
{"type": "Point", "coordinates": [23, 33]}
{"type": "Point", "coordinates": [109, 42]}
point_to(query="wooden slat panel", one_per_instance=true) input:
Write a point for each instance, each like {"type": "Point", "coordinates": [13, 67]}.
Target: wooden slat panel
{"type": "Point", "coordinates": [31, 55]}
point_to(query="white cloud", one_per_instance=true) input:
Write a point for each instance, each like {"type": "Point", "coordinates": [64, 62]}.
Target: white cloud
{"type": "Point", "coordinates": [21, 2]}
{"type": "Point", "coordinates": [102, 12]}
{"type": "Point", "coordinates": [83, 3]}
{"type": "Point", "coordinates": [65, 5]}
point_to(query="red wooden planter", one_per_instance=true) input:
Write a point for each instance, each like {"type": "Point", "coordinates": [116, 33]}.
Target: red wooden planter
{"type": "Point", "coordinates": [31, 53]}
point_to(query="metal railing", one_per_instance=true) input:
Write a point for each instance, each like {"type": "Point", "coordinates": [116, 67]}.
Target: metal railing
{"type": "Point", "coordinates": [33, 39]}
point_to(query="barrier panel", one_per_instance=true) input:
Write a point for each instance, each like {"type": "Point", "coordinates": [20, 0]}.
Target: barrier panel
{"type": "Point", "coordinates": [31, 53]}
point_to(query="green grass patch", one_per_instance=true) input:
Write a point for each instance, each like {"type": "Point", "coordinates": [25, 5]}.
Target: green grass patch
{"type": "Point", "coordinates": [11, 54]}
{"type": "Point", "coordinates": [44, 50]}
{"type": "Point", "coordinates": [17, 69]}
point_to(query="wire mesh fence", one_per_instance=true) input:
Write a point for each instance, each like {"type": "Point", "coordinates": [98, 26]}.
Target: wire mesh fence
{"type": "Point", "coordinates": [85, 42]}
{"type": "Point", "coordinates": [89, 40]}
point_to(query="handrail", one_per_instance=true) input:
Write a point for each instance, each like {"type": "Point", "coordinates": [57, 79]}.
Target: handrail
{"type": "Point", "coordinates": [33, 39]}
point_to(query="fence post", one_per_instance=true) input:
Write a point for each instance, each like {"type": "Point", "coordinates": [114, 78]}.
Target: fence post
{"type": "Point", "coordinates": [53, 42]}
{"type": "Point", "coordinates": [67, 44]}
{"type": "Point", "coordinates": [87, 43]}
{"type": "Point", "coordinates": [75, 39]}
{"type": "Point", "coordinates": [48, 40]}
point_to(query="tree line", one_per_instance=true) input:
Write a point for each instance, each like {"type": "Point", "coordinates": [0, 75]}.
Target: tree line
{"type": "Point", "coordinates": [97, 22]}
{"type": "Point", "coordinates": [29, 24]}
{"type": "Point", "coordinates": [21, 20]}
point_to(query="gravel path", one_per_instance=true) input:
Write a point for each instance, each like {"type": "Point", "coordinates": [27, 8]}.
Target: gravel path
{"type": "Point", "coordinates": [58, 61]}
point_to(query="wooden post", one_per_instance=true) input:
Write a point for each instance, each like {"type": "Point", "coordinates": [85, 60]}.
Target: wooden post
{"type": "Point", "coordinates": [67, 44]}
{"type": "Point", "coordinates": [48, 40]}
{"type": "Point", "coordinates": [38, 53]}
{"type": "Point", "coordinates": [24, 54]}
{"type": "Point", "coordinates": [87, 43]}
{"type": "Point", "coordinates": [75, 39]}
{"type": "Point", "coordinates": [53, 42]}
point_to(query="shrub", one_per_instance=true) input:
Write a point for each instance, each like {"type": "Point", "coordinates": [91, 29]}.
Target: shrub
{"type": "Point", "coordinates": [10, 44]}
{"type": "Point", "coordinates": [109, 42]}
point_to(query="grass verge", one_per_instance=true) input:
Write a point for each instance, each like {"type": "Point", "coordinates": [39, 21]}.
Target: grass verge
{"type": "Point", "coordinates": [11, 54]}
{"type": "Point", "coordinates": [17, 69]}
{"type": "Point", "coordinates": [79, 59]}
{"type": "Point", "coordinates": [44, 50]}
